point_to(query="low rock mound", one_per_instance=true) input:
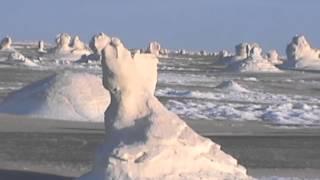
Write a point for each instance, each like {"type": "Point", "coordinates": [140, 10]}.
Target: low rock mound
{"type": "Point", "coordinates": [17, 58]}
{"type": "Point", "coordinates": [66, 96]}
{"type": "Point", "coordinates": [231, 86]}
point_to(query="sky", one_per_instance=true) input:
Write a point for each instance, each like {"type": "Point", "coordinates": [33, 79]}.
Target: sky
{"type": "Point", "coordinates": [188, 24]}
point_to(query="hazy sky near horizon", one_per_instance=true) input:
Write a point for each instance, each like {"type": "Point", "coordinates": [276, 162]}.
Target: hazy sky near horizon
{"type": "Point", "coordinates": [189, 24]}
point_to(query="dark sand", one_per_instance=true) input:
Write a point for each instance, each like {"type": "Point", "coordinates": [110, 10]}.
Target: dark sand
{"type": "Point", "coordinates": [34, 149]}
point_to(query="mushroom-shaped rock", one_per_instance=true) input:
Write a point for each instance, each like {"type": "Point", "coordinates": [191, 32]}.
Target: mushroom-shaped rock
{"type": "Point", "coordinates": [98, 42]}
{"type": "Point", "coordinates": [64, 96]}
{"type": "Point", "coordinates": [300, 54]}
{"type": "Point", "coordinates": [5, 43]}
{"type": "Point", "coordinates": [143, 139]}
{"type": "Point", "coordinates": [154, 48]}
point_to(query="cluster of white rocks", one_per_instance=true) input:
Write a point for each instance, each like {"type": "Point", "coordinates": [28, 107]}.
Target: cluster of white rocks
{"type": "Point", "coordinates": [301, 55]}
{"type": "Point", "coordinates": [17, 58]}
{"type": "Point", "coordinates": [12, 56]}
{"type": "Point", "coordinates": [143, 139]}
{"type": "Point", "coordinates": [249, 58]}
{"type": "Point", "coordinates": [68, 48]}
{"type": "Point", "coordinates": [154, 48]}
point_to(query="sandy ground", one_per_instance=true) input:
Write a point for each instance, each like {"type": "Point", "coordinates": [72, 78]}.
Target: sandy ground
{"type": "Point", "coordinates": [32, 148]}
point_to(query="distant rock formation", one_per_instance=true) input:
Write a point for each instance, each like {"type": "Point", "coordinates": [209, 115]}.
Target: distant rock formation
{"type": "Point", "coordinates": [68, 48]}
{"type": "Point", "coordinates": [154, 48]}
{"type": "Point", "coordinates": [98, 42]}
{"type": "Point", "coordinates": [231, 86]}
{"type": "Point", "coordinates": [274, 57]}
{"type": "Point", "coordinates": [5, 43]}
{"type": "Point", "coordinates": [41, 46]}
{"type": "Point", "coordinates": [164, 51]}
{"type": "Point", "coordinates": [143, 139]}
{"type": "Point", "coordinates": [63, 41]}
{"type": "Point", "coordinates": [300, 54]}
{"type": "Point", "coordinates": [17, 58]}
{"type": "Point", "coordinates": [65, 96]}
{"type": "Point", "coordinates": [77, 43]}
{"type": "Point", "coordinates": [242, 50]}
{"type": "Point", "coordinates": [254, 63]}
{"type": "Point", "coordinates": [182, 52]}
{"type": "Point", "coordinates": [78, 47]}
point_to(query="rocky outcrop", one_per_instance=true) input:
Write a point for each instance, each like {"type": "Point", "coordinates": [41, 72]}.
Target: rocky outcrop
{"type": "Point", "coordinates": [300, 54]}
{"type": "Point", "coordinates": [5, 43]}
{"type": "Point", "coordinates": [143, 139]}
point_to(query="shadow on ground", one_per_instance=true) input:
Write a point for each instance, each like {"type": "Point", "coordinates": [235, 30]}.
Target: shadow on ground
{"type": "Point", "coordinates": [24, 175]}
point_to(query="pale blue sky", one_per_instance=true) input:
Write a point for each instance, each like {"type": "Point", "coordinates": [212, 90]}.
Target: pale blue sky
{"type": "Point", "coordinates": [190, 24]}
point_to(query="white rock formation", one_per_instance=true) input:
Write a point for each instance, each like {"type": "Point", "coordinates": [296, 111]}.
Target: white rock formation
{"type": "Point", "coordinates": [242, 50]}
{"type": "Point", "coordinates": [224, 54]}
{"type": "Point", "coordinates": [41, 46]}
{"type": "Point", "coordinates": [164, 51]}
{"type": "Point", "coordinates": [5, 43]}
{"type": "Point", "coordinates": [66, 96]}
{"type": "Point", "coordinates": [203, 53]}
{"type": "Point", "coordinates": [300, 54]}
{"type": "Point", "coordinates": [182, 52]}
{"type": "Point", "coordinates": [274, 57]}
{"type": "Point", "coordinates": [78, 47]}
{"type": "Point", "coordinates": [68, 49]}
{"type": "Point", "coordinates": [154, 48]}
{"type": "Point", "coordinates": [254, 63]}
{"type": "Point", "coordinates": [98, 42]}
{"type": "Point", "coordinates": [77, 43]}
{"type": "Point", "coordinates": [63, 42]}
{"type": "Point", "coordinates": [143, 139]}
{"type": "Point", "coordinates": [17, 58]}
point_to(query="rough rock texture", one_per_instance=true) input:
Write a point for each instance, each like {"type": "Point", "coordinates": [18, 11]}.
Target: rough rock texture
{"type": "Point", "coordinates": [63, 41]}
{"type": "Point", "coordinates": [143, 139]}
{"type": "Point", "coordinates": [273, 57]}
{"type": "Point", "coordinates": [300, 54]}
{"type": "Point", "coordinates": [154, 48]}
{"type": "Point", "coordinates": [98, 42]}
{"type": "Point", "coordinates": [68, 49]}
{"type": "Point", "coordinates": [19, 59]}
{"type": "Point", "coordinates": [243, 50]}
{"type": "Point", "coordinates": [231, 86]}
{"type": "Point", "coordinates": [5, 43]}
{"type": "Point", "coordinates": [66, 96]}
{"type": "Point", "coordinates": [78, 47]}
{"type": "Point", "coordinates": [254, 63]}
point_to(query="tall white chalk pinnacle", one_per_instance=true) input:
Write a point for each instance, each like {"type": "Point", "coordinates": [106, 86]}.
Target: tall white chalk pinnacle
{"type": "Point", "coordinates": [143, 139]}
